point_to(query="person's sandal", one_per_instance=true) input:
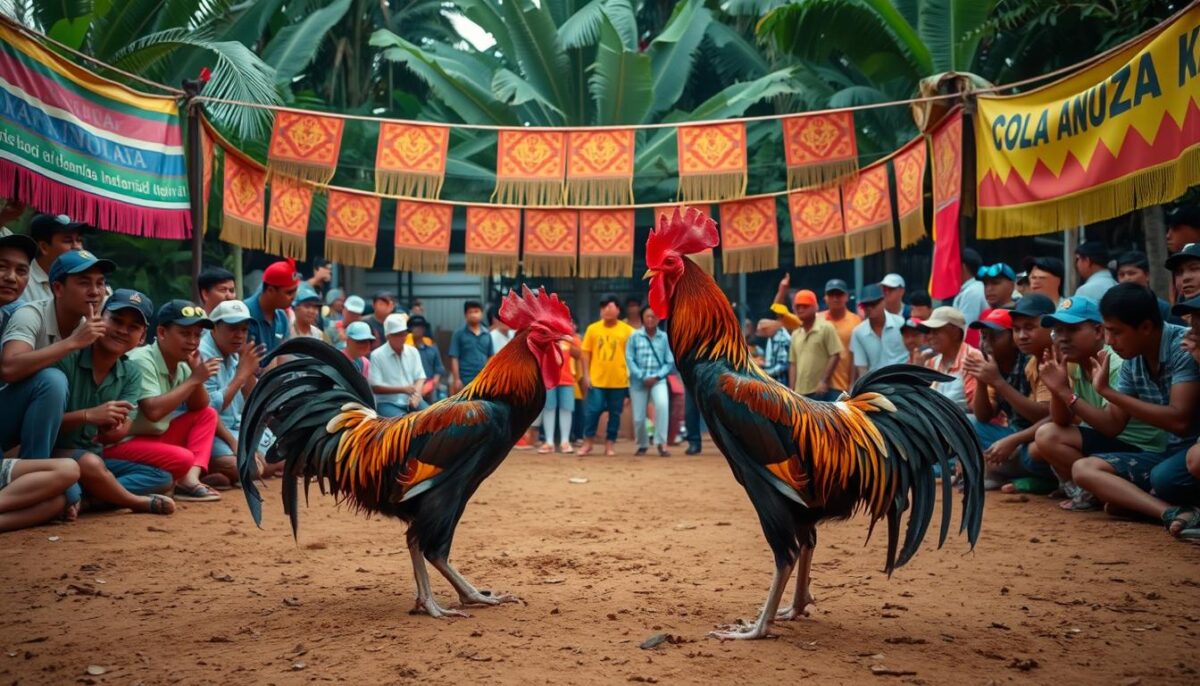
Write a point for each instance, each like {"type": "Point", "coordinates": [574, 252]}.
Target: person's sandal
{"type": "Point", "coordinates": [663, 452]}
{"type": "Point", "coordinates": [196, 494]}
{"type": "Point", "coordinates": [567, 449]}
{"type": "Point", "coordinates": [159, 505]}
{"type": "Point", "coordinates": [1188, 519]}
{"type": "Point", "coordinates": [545, 449]}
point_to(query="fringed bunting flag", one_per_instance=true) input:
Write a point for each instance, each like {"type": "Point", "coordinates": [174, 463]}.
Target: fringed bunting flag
{"type": "Point", "coordinates": [411, 159]}
{"type": "Point", "coordinates": [551, 237]}
{"type": "Point", "coordinates": [208, 159]}
{"type": "Point", "coordinates": [867, 211]}
{"type": "Point", "coordinates": [712, 161]}
{"type": "Point", "coordinates": [493, 240]}
{"type": "Point", "coordinates": [818, 231]}
{"type": "Point", "coordinates": [305, 145]}
{"type": "Point", "coordinates": [422, 236]}
{"type": "Point", "coordinates": [749, 235]}
{"type": "Point", "coordinates": [606, 243]}
{"type": "Point", "coordinates": [530, 166]}
{"type": "Point", "coordinates": [946, 277]}
{"type": "Point", "coordinates": [351, 227]}
{"type": "Point", "coordinates": [704, 260]}
{"type": "Point", "coordinates": [243, 204]}
{"type": "Point", "coordinates": [909, 165]}
{"type": "Point", "coordinates": [287, 222]}
{"type": "Point", "coordinates": [600, 167]}
{"type": "Point", "coordinates": [820, 148]}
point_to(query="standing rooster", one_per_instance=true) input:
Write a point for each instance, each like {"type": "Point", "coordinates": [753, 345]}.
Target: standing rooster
{"type": "Point", "coordinates": [421, 468]}
{"type": "Point", "coordinates": [801, 461]}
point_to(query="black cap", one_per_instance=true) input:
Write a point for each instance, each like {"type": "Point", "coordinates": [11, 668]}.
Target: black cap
{"type": "Point", "coordinates": [1188, 215]}
{"type": "Point", "coordinates": [21, 242]}
{"type": "Point", "coordinates": [43, 226]}
{"type": "Point", "coordinates": [871, 293]}
{"type": "Point", "coordinates": [183, 313]}
{"type": "Point", "coordinates": [129, 299]}
{"type": "Point", "coordinates": [1050, 264]}
{"type": "Point", "coordinates": [417, 320]}
{"type": "Point", "coordinates": [1191, 306]}
{"type": "Point", "coordinates": [1093, 250]}
{"type": "Point", "coordinates": [1190, 252]}
{"type": "Point", "coordinates": [1033, 305]}
{"type": "Point", "coordinates": [836, 285]}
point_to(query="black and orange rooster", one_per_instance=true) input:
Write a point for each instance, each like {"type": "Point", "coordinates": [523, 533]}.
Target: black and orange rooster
{"type": "Point", "coordinates": [801, 461]}
{"type": "Point", "coordinates": [421, 468]}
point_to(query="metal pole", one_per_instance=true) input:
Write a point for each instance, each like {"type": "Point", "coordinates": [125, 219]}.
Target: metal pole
{"type": "Point", "coordinates": [239, 282]}
{"type": "Point", "coordinates": [195, 174]}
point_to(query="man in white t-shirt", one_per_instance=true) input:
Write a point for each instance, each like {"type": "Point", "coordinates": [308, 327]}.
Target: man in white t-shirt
{"type": "Point", "coordinates": [396, 374]}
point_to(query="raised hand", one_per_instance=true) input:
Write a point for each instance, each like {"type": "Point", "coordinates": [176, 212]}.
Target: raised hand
{"type": "Point", "coordinates": [249, 357]}
{"type": "Point", "coordinates": [1098, 369]}
{"type": "Point", "coordinates": [985, 369]}
{"type": "Point", "coordinates": [203, 369]}
{"type": "Point", "coordinates": [90, 329]}
{"type": "Point", "coordinates": [1053, 371]}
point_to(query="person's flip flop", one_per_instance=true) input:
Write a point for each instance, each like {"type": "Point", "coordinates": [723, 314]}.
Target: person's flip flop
{"type": "Point", "coordinates": [1189, 517]}
{"type": "Point", "coordinates": [158, 504]}
{"type": "Point", "coordinates": [196, 494]}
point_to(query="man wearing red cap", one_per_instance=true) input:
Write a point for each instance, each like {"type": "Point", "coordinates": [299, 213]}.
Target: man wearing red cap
{"type": "Point", "coordinates": [268, 307]}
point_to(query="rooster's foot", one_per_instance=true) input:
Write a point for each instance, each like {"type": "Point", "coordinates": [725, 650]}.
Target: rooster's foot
{"type": "Point", "coordinates": [430, 607]}
{"type": "Point", "coordinates": [793, 613]}
{"type": "Point", "coordinates": [486, 598]}
{"type": "Point", "coordinates": [741, 632]}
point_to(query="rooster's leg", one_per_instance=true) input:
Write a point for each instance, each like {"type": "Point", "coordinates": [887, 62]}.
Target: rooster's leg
{"type": "Point", "coordinates": [425, 601]}
{"type": "Point", "coordinates": [803, 598]}
{"type": "Point", "coordinates": [759, 628]}
{"type": "Point", "coordinates": [468, 594]}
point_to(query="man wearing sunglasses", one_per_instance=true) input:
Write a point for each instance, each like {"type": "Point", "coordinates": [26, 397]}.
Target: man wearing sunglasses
{"type": "Point", "coordinates": [1091, 264]}
{"type": "Point", "coordinates": [998, 284]}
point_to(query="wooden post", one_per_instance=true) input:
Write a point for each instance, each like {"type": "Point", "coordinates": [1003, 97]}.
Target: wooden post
{"type": "Point", "coordinates": [195, 175]}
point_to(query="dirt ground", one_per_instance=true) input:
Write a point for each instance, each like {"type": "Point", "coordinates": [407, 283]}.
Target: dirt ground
{"type": "Point", "coordinates": [645, 546]}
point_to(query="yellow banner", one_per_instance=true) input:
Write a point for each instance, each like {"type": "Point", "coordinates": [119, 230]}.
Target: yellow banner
{"type": "Point", "coordinates": [1121, 135]}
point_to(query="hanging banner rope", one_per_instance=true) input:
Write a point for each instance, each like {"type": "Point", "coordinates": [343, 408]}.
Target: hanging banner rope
{"type": "Point", "coordinates": [820, 149]}
{"type": "Point", "coordinates": [411, 159]}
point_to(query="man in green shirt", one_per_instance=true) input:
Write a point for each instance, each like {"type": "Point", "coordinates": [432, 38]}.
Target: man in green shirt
{"type": "Point", "coordinates": [172, 375]}
{"type": "Point", "coordinates": [103, 389]}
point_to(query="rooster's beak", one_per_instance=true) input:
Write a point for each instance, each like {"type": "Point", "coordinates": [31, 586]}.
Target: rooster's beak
{"type": "Point", "coordinates": [650, 274]}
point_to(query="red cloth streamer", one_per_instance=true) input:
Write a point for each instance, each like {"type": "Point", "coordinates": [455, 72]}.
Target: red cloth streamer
{"type": "Point", "coordinates": [946, 277]}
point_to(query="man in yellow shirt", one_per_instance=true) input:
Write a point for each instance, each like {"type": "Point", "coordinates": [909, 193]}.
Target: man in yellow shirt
{"type": "Point", "coordinates": [844, 321]}
{"type": "Point", "coordinates": [605, 376]}
{"type": "Point", "coordinates": [815, 351]}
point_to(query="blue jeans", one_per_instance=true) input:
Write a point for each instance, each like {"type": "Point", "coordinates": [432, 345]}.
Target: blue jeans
{"type": "Point", "coordinates": [1171, 480]}
{"type": "Point", "coordinates": [1021, 464]}
{"type": "Point", "coordinates": [640, 396]}
{"type": "Point", "coordinates": [32, 412]}
{"type": "Point", "coordinates": [600, 400]}
{"type": "Point", "coordinates": [398, 410]}
{"type": "Point", "coordinates": [140, 479]}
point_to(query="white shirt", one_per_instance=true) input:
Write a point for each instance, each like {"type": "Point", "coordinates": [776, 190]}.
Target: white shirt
{"type": "Point", "coordinates": [873, 351]}
{"type": "Point", "coordinates": [1096, 286]}
{"type": "Point", "coordinates": [499, 340]}
{"type": "Point", "coordinates": [390, 369]}
{"type": "Point", "coordinates": [38, 287]}
{"type": "Point", "coordinates": [970, 300]}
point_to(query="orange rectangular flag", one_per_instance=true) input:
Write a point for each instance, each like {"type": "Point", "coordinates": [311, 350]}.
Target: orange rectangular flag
{"type": "Point", "coordinates": [705, 259]}
{"type": "Point", "coordinates": [946, 277]}
{"type": "Point", "coordinates": [287, 223]}
{"type": "Point", "coordinates": [411, 159]}
{"type": "Point", "coordinates": [749, 235]}
{"type": "Point", "coordinates": [867, 209]}
{"type": "Point", "coordinates": [351, 228]}
{"type": "Point", "coordinates": [208, 156]}
{"type": "Point", "coordinates": [551, 242]}
{"type": "Point", "coordinates": [600, 167]}
{"type": "Point", "coordinates": [493, 240]}
{"type": "Point", "coordinates": [909, 166]}
{"type": "Point", "coordinates": [422, 236]}
{"type": "Point", "coordinates": [606, 243]}
{"type": "Point", "coordinates": [820, 148]}
{"type": "Point", "coordinates": [243, 204]}
{"type": "Point", "coordinates": [818, 231]}
{"type": "Point", "coordinates": [530, 167]}
{"type": "Point", "coordinates": [305, 145]}
{"type": "Point", "coordinates": [712, 162]}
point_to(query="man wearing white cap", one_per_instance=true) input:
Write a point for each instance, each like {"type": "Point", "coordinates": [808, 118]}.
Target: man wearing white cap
{"type": "Point", "coordinates": [352, 311]}
{"type": "Point", "coordinates": [947, 328]}
{"type": "Point", "coordinates": [396, 373]}
{"type": "Point", "coordinates": [893, 295]}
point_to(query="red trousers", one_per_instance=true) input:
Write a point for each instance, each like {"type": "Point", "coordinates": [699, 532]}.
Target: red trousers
{"type": "Point", "coordinates": [186, 443]}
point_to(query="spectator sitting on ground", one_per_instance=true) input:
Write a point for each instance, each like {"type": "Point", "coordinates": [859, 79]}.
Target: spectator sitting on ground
{"type": "Point", "coordinates": [649, 360]}
{"type": "Point", "coordinates": [1091, 264]}
{"type": "Point", "coordinates": [605, 375]}
{"type": "Point", "coordinates": [396, 375]}
{"type": "Point", "coordinates": [32, 492]}
{"type": "Point", "coordinates": [1010, 399]}
{"type": "Point", "coordinates": [306, 307]}
{"type": "Point", "coordinates": [228, 388]}
{"type": "Point", "coordinates": [877, 342]}
{"type": "Point", "coordinates": [431, 359]}
{"type": "Point", "coordinates": [1081, 425]}
{"type": "Point", "coordinates": [837, 312]}
{"type": "Point", "coordinates": [970, 301]}
{"type": "Point", "coordinates": [470, 347]}
{"type": "Point", "coordinates": [893, 295]}
{"type": "Point", "coordinates": [920, 306]}
{"type": "Point", "coordinates": [947, 331]}
{"type": "Point", "coordinates": [360, 340]}
{"type": "Point", "coordinates": [1183, 227]}
{"type": "Point", "coordinates": [268, 307]}
{"type": "Point", "coordinates": [352, 311]}
{"type": "Point", "coordinates": [1188, 486]}
{"type": "Point", "coordinates": [778, 347]}
{"type": "Point", "coordinates": [17, 252]}
{"type": "Point", "coordinates": [35, 393]}
{"type": "Point", "coordinates": [216, 285]}
{"type": "Point", "coordinates": [999, 281]}
{"type": "Point", "coordinates": [1046, 277]}
{"type": "Point", "coordinates": [1134, 267]}
{"type": "Point", "coordinates": [173, 375]}
{"type": "Point", "coordinates": [915, 342]}
{"type": "Point", "coordinates": [1185, 270]}
{"type": "Point", "coordinates": [1159, 384]}
{"type": "Point", "coordinates": [104, 388]}
{"type": "Point", "coordinates": [383, 305]}
{"type": "Point", "coordinates": [322, 275]}
{"type": "Point", "coordinates": [54, 235]}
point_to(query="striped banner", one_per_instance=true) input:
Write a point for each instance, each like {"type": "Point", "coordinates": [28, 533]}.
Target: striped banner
{"type": "Point", "coordinates": [74, 143]}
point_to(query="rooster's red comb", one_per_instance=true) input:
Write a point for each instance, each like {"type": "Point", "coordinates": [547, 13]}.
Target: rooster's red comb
{"type": "Point", "coordinates": [530, 307]}
{"type": "Point", "coordinates": [685, 233]}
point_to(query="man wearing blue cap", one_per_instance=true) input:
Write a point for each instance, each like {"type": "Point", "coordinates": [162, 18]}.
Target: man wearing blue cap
{"type": "Point", "coordinates": [877, 341]}
{"type": "Point", "coordinates": [306, 309]}
{"type": "Point", "coordinates": [36, 393]}
{"type": "Point", "coordinates": [1080, 425]}
{"type": "Point", "coordinates": [1160, 385]}
{"type": "Point", "coordinates": [102, 403]}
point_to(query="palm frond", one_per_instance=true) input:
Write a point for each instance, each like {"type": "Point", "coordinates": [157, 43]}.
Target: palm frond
{"type": "Point", "coordinates": [673, 51]}
{"type": "Point", "coordinates": [293, 48]}
{"type": "Point", "coordinates": [621, 83]}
